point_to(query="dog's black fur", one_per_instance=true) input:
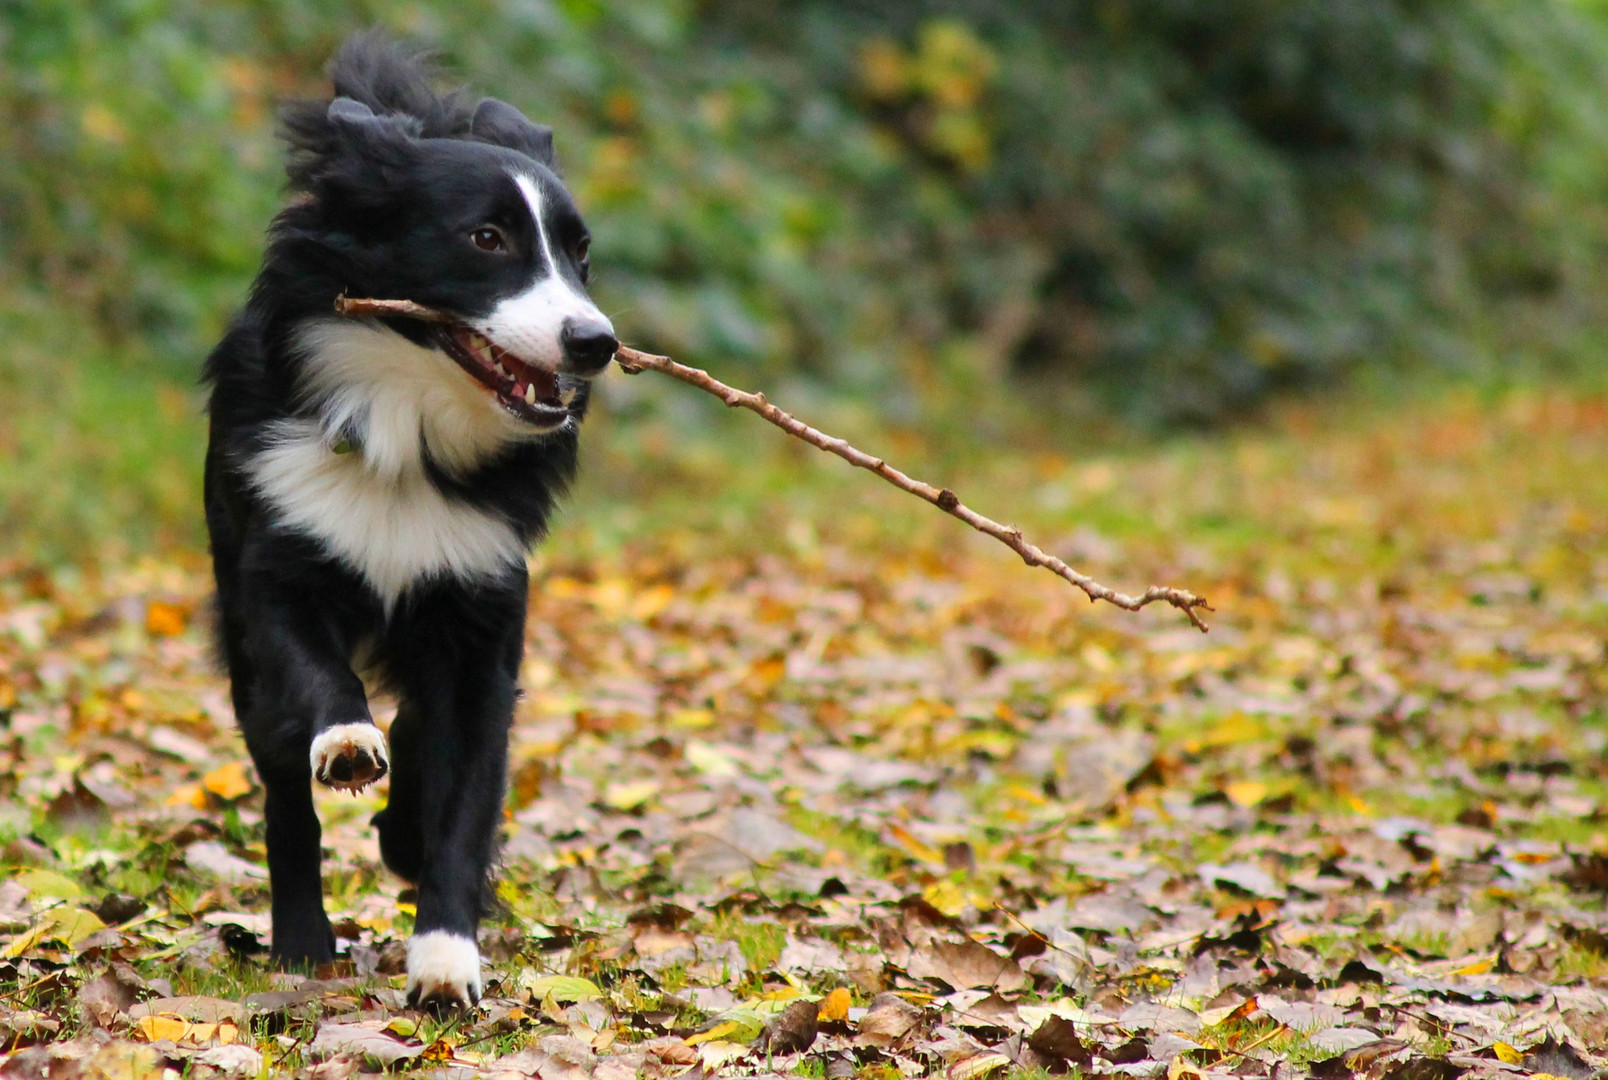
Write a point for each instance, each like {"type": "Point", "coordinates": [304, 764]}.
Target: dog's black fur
{"type": "Point", "coordinates": [397, 190]}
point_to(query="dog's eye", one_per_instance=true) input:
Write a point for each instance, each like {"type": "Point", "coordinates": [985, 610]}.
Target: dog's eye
{"type": "Point", "coordinates": [583, 248]}
{"type": "Point", "coordinates": [487, 238]}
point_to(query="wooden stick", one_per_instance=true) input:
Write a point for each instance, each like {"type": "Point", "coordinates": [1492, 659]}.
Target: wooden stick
{"type": "Point", "coordinates": [633, 361]}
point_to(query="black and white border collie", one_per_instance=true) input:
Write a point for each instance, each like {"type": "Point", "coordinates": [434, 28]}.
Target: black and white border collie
{"type": "Point", "coordinates": [373, 485]}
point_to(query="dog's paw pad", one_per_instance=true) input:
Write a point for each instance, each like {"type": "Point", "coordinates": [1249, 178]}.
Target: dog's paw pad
{"type": "Point", "coordinates": [349, 757]}
{"type": "Point", "coordinates": [443, 972]}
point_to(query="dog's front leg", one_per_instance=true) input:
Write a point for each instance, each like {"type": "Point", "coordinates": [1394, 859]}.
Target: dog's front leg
{"type": "Point", "coordinates": [461, 701]}
{"type": "Point", "coordinates": [293, 656]}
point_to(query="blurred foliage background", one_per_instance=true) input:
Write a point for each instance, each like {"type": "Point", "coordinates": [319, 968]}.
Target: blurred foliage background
{"type": "Point", "coordinates": [1037, 215]}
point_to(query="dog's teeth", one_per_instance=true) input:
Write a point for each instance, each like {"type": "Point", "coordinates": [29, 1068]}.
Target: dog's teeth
{"type": "Point", "coordinates": [567, 395]}
{"type": "Point", "coordinates": [530, 393]}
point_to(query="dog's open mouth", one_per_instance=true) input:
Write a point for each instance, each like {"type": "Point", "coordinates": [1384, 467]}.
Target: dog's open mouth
{"type": "Point", "coordinates": [528, 393]}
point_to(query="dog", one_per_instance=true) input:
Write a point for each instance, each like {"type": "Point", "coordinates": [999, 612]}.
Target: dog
{"type": "Point", "coordinates": [373, 486]}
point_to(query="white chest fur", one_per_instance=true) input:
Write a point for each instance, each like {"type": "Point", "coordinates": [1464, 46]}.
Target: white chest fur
{"type": "Point", "coordinates": [375, 509]}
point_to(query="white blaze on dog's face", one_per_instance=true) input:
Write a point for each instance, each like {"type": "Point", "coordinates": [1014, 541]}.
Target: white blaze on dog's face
{"type": "Point", "coordinates": [534, 344]}
{"type": "Point", "coordinates": [538, 323]}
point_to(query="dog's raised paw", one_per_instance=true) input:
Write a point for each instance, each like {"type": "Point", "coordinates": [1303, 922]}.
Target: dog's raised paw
{"type": "Point", "coordinates": [349, 757]}
{"type": "Point", "coordinates": [443, 971]}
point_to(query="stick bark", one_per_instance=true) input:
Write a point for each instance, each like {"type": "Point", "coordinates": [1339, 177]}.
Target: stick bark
{"type": "Point", "coordinates": [633, 361]}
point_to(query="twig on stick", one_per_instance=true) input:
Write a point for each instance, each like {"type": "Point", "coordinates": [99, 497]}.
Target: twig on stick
{"type": "Point", "coordinates": [633, 361]}
{"type": "Point", "coordinates": [404, 309]}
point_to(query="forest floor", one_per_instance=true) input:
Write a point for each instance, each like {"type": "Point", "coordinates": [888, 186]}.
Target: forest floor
{"type": "Point", "coordinates": [813, 780]}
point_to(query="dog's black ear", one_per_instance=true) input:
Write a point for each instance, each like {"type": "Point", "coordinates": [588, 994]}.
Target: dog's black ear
{"type": "Point", "coordinates": [341, 139]}
{"type": "Point", "coordinates": [353, 117]}
{"type": "Point", "coordinates": [348, 110]}
{"type": "Point", "coordinates": [499, 122]}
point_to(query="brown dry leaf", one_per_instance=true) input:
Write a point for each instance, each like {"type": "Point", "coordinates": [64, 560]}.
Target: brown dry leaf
{"type": "Point", "coordinates": [888, 1019]}
{"type": "Point", "coordinates": [793, 1030]}
{"type": "Point", "coordinates": [194, 1007]}
{"type": "Point", "coordinates": [366, 1039]}
{"type": "Point", "coordinates": [977, 1065]}
{"type": "Point", "coordinates": [966, 965]}
{"type": "Point", "coordinates": [214, 860]}
{"type": "Point", "coordinates": [1056, 1040]}
{"type": "Point", "coordinates": [106, 997]}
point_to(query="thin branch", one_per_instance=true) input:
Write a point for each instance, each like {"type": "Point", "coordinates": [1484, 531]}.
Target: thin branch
{"type": "Point", "coordinates": [632, 361]}
{"type": "Point", "coordinates": [402, 309]}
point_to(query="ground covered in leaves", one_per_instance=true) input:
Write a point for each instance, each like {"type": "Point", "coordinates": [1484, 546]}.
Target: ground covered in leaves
{"type": "Point", "coordinates": [830, 787]}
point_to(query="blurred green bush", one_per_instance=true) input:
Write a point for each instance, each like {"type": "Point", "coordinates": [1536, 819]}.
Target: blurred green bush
{"type": "Point", "coordinates": [1183, 205]}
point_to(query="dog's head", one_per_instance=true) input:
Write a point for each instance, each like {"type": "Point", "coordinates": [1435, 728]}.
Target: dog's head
{"type": "Point", "coordinates": [462, 211]}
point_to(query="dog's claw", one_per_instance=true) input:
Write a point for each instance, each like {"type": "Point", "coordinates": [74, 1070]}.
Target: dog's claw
{"type": "Point", "coordinates": [349, 757]}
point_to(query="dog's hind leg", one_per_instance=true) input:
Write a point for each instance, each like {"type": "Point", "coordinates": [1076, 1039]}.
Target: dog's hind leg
{"type": "Point", "coordinates": [401, 834]}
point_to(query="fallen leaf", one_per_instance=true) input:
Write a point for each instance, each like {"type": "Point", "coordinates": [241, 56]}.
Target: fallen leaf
{"type": "Point", "coordinates": [964, 965]}
{"type": "Point", "coordinates": [793, 1030]}
{"type": "Point", "coordinates": [165, 620]}
{"type": "Point", "coordinates": [154, 1027]}
{"type": "Point", "coordinates": [835, 1006]}
{"type": "Point", "coordinates": [561, 988]}
{"type": "Point", "coordinates": [214, 860]}
{"type": "Point", "coordinates": [889, 1018]}
{"type": "Point", "coordinates": [977, 1065]}
{"type": "Point", "coordinates": [229, 781]}
{"type": "Point", "coordinates": [366, 1039]}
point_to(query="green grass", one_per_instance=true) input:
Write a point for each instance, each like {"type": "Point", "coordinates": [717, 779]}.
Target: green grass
{"type": "Point", "coordinates": [761, 943]}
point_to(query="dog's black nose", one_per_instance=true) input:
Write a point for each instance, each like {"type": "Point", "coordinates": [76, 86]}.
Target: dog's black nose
{"type": "Point", "coordinates": [588, 346]}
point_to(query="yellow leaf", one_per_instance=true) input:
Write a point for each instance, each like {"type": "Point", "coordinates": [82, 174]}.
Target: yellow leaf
{"type": "Point", "coordinates": [229, 781]}
{"type": "Point", "coordinates": [691, 718]}
{"type": "Point", "coordinates": [1507, 1054]}
{"type": "Point", "coordinates": [440, 1050]}
{"type": "Point", "coordinates": [1027, 794]}
{"type": "Point", "coordinates": [189, 795]}
{"type": "Point", "coordinates": [649, 603]}
{"type": "Point", "coordinates": [1181, 1068]}
{"type": "Point", "coordinates": [835, 1006]}
{"type": "Point", "coordinates": [1245, 793]}
{"type": "Point", "coordinates": [164, 620]}
{"type": "Point", "coordinates": [563, 988]}
{"type": "Point", "coordinates": [73, 925]}
{"type": "Point", "coordinates": [629, 794]}
{"type": "Point", "coordinates": [946, 896]}
{"type": "Point", "coordinates": [49, 885]}
{"type": "Point", "coordinates": [915, 845]}
{"type": "Point", "coordinates": [402, 1027]}
{"type": "Point", "coordinates": [152, 1028]}
{"type": "Point", "coordinates": [1479, 967]}
{"type": "Point", "coordinates": [719, 1031]}
{"type": "Point", "coordinates": [24, 943]}
{"type": "Point", "coordinates": [718, 1053]}
{"type": "Point", "coordinates": [201, 1033]}
{"type": "Point", "coordinates": [709, 760]}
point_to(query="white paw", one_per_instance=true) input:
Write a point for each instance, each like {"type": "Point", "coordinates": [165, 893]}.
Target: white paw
{"type": "Point", "coordinates": [349, 757]}
{"type": "Point", "coordinates": [443, 971]}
